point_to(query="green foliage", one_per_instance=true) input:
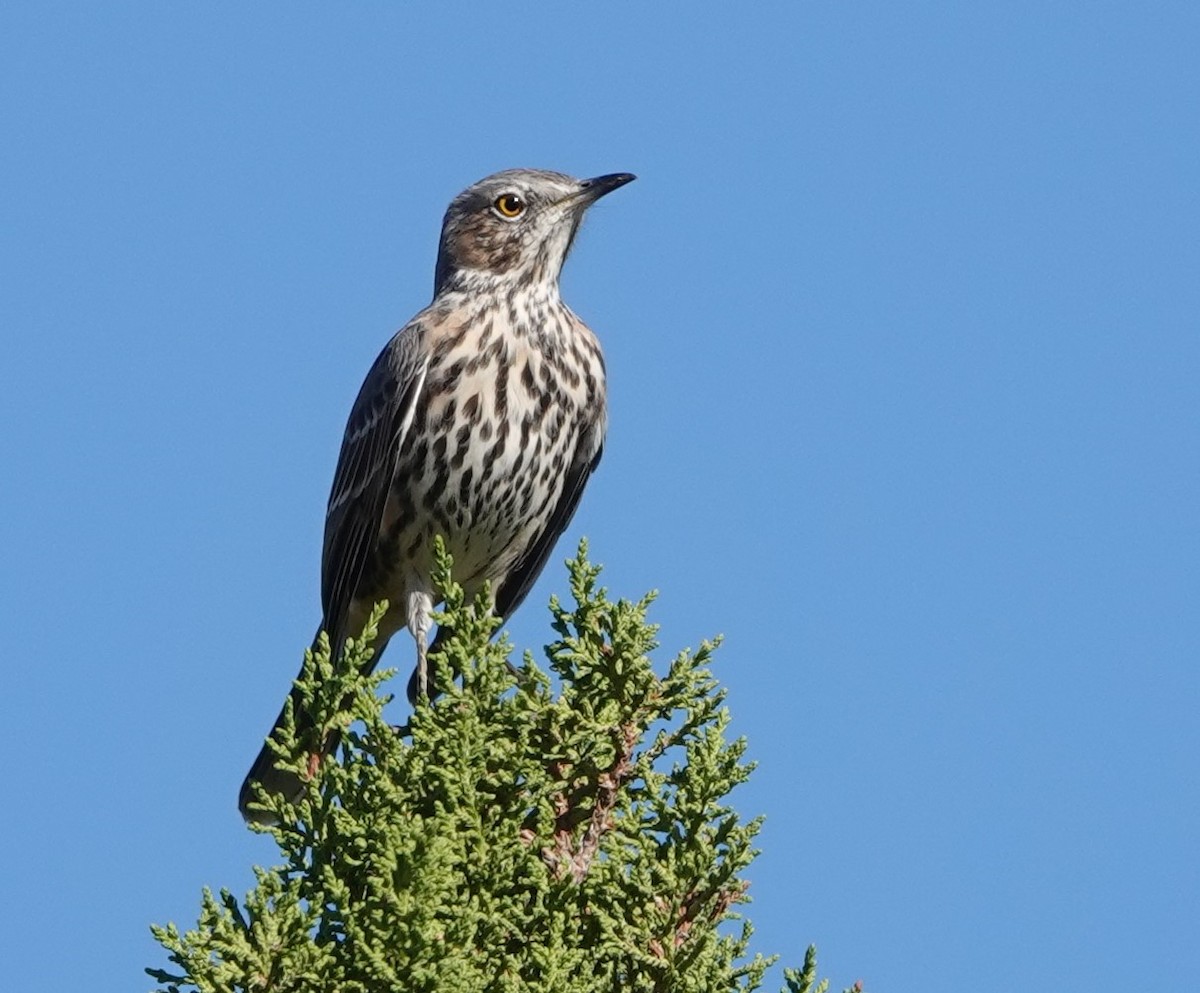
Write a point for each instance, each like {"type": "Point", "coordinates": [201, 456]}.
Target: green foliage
{"type": "Point", "coordinates": [534, 834]}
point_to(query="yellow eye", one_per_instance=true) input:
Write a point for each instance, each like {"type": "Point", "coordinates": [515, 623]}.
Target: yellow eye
{"type": "Point", "coordinates": [509, 205]}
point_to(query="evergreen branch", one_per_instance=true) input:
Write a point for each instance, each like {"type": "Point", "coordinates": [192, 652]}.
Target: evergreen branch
{"type": "Point", "coordinates": [560, 830]}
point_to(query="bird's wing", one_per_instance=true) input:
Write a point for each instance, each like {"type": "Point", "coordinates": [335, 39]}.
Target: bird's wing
{"type": "Point", "coordinates": [529, 566]}
{"type": "Point", "coordinates": [374, 437]}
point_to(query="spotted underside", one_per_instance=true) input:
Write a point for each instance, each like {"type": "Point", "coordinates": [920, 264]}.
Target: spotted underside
{"type": "Point", "coordinates": [508, 422]}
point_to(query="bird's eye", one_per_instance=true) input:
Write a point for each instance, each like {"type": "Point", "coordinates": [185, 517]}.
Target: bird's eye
{"type": "Point", "coordinates": [509, 205]}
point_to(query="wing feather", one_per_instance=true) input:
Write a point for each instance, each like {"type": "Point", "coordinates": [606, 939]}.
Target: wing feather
{"type": "Point", "coordinates": [375, 435]}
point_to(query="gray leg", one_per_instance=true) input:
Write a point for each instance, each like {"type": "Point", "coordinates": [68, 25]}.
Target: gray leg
{"type": "Point", "coordinates": [420, 606]}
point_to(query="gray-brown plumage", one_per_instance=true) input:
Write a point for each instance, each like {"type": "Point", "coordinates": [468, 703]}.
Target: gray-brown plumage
{"type": "Point", "coordinates": [480, 421]}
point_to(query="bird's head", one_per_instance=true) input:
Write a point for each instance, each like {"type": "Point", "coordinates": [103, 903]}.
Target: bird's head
{"type": "Point", "coordinates": [515, 227]}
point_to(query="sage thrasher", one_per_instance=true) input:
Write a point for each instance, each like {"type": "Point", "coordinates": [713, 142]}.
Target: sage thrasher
{"type": "Point", "coordinates": [480, 421]}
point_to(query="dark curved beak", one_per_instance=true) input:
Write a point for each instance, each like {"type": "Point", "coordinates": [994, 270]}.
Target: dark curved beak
{"type": "Point", "coordinates": [593, 189]}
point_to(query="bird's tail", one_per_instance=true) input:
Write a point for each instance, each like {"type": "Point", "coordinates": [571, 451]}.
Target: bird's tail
{"type": "Point", "coordinates": [275, 781]}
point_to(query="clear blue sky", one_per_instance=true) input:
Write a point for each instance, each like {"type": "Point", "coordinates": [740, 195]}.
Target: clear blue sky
{"type": "Point", "coordinates": [903, 327]}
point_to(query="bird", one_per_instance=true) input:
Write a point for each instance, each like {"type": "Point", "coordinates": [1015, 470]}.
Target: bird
{"type": "Point", "coordinates": [481, 422]}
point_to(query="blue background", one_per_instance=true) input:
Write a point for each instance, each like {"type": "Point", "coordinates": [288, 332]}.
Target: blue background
{"type": "Point", "coordinates": [901, 320]}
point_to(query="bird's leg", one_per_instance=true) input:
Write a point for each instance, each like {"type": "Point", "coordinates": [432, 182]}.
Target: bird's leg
{"type": "Point", "coordinates": [420, 606]}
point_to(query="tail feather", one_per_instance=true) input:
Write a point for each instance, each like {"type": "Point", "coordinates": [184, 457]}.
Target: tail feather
{"type": "Point", "coordinates": [263, 771]}
{"type": "Point", "coordinates": [274, 781]}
